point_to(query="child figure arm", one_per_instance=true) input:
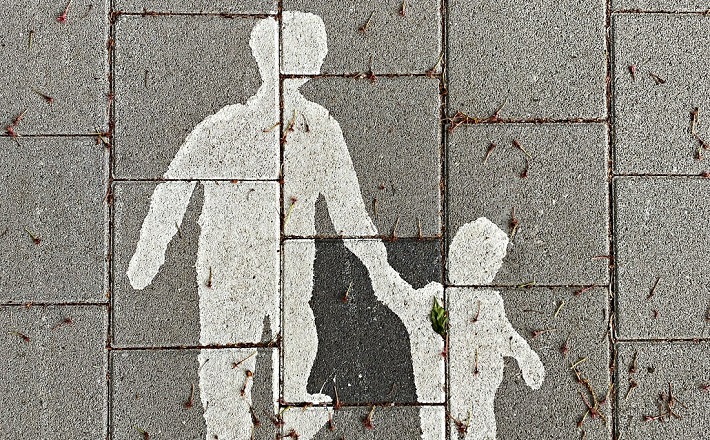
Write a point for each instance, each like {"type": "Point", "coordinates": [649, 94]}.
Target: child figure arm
{"type": "Point", "coordinates": [529, 362]}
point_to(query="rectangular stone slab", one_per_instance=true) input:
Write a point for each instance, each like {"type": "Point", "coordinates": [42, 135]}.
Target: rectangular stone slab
{"type": "Point", "coordinates": [542, 59]}
{"type": "Point", "coordinates": [53, 372]}
{"type": "Point", "coordinates": [390, 42]}
{"type": "Point", "coordinates": [660, 5]}
{"type": "Point", "coordinates": [683, 365]}
{"type": "Point", "coordinates": [561, 206]}
{"type": "Point", "coordinates": [553, 411]}
{"type": "Point", "coordinates": [162, 93]}
{"type": "Point", "coordinates": [182, 6]}
{"type": "Point", "coordinates": [662, 241]}
{"type": "Point", "coordinates": [67, 62]}
{"type": "Point", "coordinates": [392, 131]}
{"type": "Point", "coordinates": [652, 116]}
{"type": "Point", "coordinates": [52, 239]}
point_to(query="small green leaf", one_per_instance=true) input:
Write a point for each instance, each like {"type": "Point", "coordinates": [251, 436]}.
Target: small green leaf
{"type": "Point", "coordinates": [439, 319]}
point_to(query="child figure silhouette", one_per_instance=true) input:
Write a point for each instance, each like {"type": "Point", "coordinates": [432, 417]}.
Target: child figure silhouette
{"type": "Point", "coordinates": [480, 334]}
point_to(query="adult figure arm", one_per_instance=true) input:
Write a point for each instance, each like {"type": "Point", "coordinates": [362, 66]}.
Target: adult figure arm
{"type": "Point", "coordinates": [167, 208]}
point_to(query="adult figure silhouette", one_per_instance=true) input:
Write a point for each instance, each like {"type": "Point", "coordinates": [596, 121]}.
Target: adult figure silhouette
{"type": "Point", "coordinates": [235, 155]}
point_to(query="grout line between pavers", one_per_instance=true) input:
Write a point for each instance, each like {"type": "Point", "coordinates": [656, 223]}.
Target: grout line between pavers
{"type": "Point", "coordinates": [110, 165]}
{"type": "Point", "coordinates": [612, 300]}
{"type": "Point", "coordinates": [663, 340]}
{"type": "Point", "coordinates": [282, 213]}
{"type": "Point", "coordinates": [444, 193]}
{"type": "Point", "coordinates": [227, 15]}
{"type": "Point", "coordinates": [30, 304]}
{"type": "Point", "coordinates": [704, 13]}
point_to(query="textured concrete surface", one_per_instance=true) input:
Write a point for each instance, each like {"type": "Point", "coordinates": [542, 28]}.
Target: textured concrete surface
{"type": "Point", "coordinates": [183, 6]}
{"type": "Point", "coordinates": [53, 372]}
{"type": "Point", "coordinates": [661, 5]}
{"type": "Point", "coordinates": [65, 62]}
{"type": "Point", "coordinates": [375, 422]}
{"type": "Point", "coordinates": [394, 147]}
{"type": "Point", "coordinates": [166, 313]}
{"type": "Point", "coordinates": [653, 128]}
{"type": "Point", "coordinates": [573, 330]}
{"type": "Point", "coordinates": [153, 392]}
{"type": "Point", "coordinates": [162, 93]}
{"type": "Point", "coordinates": [662, 236]}
{"type": "Point", "coordinates": [501, 53]}
{"type": "Point", "coordinates": [52, 240]}
{"type": "Point", "coordinates": [365, 36]}
{"type": "Point", "coordinates": [607, 244]}
{"type": "Point", "coordinates": [561, 206]}
{"type": "Point", "coordinates": [658, 368]}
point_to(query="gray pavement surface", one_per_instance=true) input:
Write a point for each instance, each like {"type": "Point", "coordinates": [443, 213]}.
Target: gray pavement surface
{"type": "Point", "coordinates": [599, 116]}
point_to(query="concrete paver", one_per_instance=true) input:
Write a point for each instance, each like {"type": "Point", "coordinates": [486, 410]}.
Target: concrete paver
{"type": "Point", "coordinates": [53, 372]}
{"type": "Point", "coordinates": [661, 236]}
{"type": "Point", "coordinates": [658, 368]}
{"type": "Point", "coordinates": [66, 62]}
{"type": "Point", "coordinates": [572, 331]}
{"type": "Point", "coordinates": [153, 391]}
{"type": "Point", "coordinates": [165, 313]}
{"type": "Point", "coordinates": [374, 362]}
{"type": "Point", "coordinates": [561, 206]}
{"type": "Point", "coordinates": [364, 36]}
{"type": "Point", "coordinates": [124, 318]}
{"type": "Point", "coordinates": [394, 146]}
{"type": "Point", "coordinates": [652, 116]}
{"type": "Point", "coordinates": [52, 222]}
{"type": "Point", "coordinates": [500, 53]}
{"type": "Point", "coordinates": [374, 422]}
{"type": "Point", "coordinates": [161, 94]}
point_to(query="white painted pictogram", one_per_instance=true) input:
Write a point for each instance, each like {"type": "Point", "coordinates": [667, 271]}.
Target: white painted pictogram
{"type": "Point", "coordinates": [235, 155]}
{"type": "Point", "coordinates": [480, 333]}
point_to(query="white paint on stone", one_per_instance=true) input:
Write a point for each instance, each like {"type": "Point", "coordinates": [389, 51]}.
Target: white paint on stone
{"type": "Point", "coordinates": [477, 346]}
{"type": "Point", "coordinates": [432, 422]}
{"type": "Point", "coordinates": [167, 208]}
{"type": "Point", "coordinates": [226, 411]}
{"type": "Point", "coordinates": [238, 262]}
{"type": "Point", "coordinates": [306, 422]}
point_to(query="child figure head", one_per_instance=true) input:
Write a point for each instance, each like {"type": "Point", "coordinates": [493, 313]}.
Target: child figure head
{"type": "Point", "coordinates": [476, 253]}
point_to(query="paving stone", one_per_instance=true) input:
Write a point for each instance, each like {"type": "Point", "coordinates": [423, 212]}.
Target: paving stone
{"type": "Point", "coordinates": [64, 61]}
{"type": "Point", "coordinates": [183, 6]}
{"type": "Point", "coordinates": [554, 410]}
{"type": "Point", "coordinates": [661, 235]}
{"type": "Point", "coordinates": [394, 145]}
{"type": "Point", "coordinates": [53, 384]}
{"type": "Point", "coordinates": [652, 121]}
{"type": "Point", "coordinates": [388, 422]}
{"type": "Point", "coordinates": [390, 43]}
{"type": "Point", "coordinates": [152, 391]}
{"type": "Point", "coordinates": [661, 5]}
{"type": "Point", "coordinates": [561, 206]}
{"type": "Point", "coordinates": [363, 346]}
{"type": "Point", "coordinates": [684, 367]}
{"type": "Point", "coordinates": [166, 312]}
{"type": "Point", "coordinates": [162, 93]}
{"type": "Point", "coordinates": [53, 191]}
{"type": "Point", "coordinates": [544, 59]}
